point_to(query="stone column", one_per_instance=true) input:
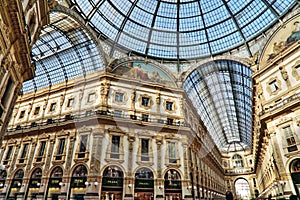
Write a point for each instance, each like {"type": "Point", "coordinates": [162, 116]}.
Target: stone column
{"type": "Point", "coordinates": [159, 183]}
{"type": "Point", "coordinates": [128, 181]}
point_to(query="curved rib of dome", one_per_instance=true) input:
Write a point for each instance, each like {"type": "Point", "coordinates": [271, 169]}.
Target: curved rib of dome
{"type": "Point", "coordinates": [221, 92]}
{"type": "Point", "coordinates": [184, 30]}
{"type": "Point", "coordinates": [63, 51]}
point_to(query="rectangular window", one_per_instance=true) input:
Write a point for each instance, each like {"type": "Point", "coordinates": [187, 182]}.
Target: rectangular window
{"type": "Point", "coordinates": [41, 151]}
{"type": "Point", "coordinates": [145, 150]}
{"type": "Point", "coordinates": [7, 92]}
{"type": "Point", "coordinates": [170, 121]}
{"type": "Point", "coordinates": [8, 154]}
{"type": "Point", "coordinates": [169, 105]}
{"type": "Point", "coordinates": [115, 147]}
{"type": "Point", "coordinates": [22, 114]}
{"type": "Point", "coordinates": [117, 113]}
{"type": "Point", "coordinates": [119, 97]}
{"type": "Point", "coordinates": [172, 152]}
{"type": "Point", "coordinates": [70, 102]}
{"type": "Point", "coordinates": [145, 117]}
{"type": "Point", "coordinates": [91, 97]}
{"type": "Point", "coordinates": [61, 147]}
{"type": "Point", "coordinates": [291, 143]}
{"type": "Point", "coordinates": [274, 86]}
{"type": "Point", "coordinates": [24, 152]}
{"type": "Point", "coordinates": [52, 107]}
{"type": "Point", "coordinates": [145, 101]}
{"type": "Point", "coordinates": [37, 110]}
{"type": "Point", "coordinates": [82, 147]}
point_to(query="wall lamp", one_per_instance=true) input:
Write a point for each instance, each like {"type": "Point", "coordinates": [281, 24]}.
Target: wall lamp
{"type": "Point", "coordinates": [96, 183]}
{"type": "Point", "coordinates": [130, 185]}
{"type": "Point", "coordinates": [87, 183]}
{"type": "Point", "coordinates": [160, 187]}
{"type": "Point", "coordinates": [189, 187]}
{"type": "Point", "coordinates": [61, 184]}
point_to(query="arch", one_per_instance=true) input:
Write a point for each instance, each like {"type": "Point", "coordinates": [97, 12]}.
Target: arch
{"type": "Point", "coordinates": [144, 183]}
{"type": "Point", "coordinates": [3, 176]}
{"type": "Point", "coordinates": [64, 51]}
{"type": "Point", "coordinates": [221, 90]}
{"type": "Point", "coordinates": [242, 188]}
{"type": "Point", "coordinates": [173, 185]}
{"type": "Point", "coordinates": [34, 183]}
{"type": "Point", "coordinates": [16, 184]}
{"type": "Point", "coordinates": [55, 181]}
{"type": "Point", "coordinates": [112, 182]}
{"type": "Point", "coordinates": [294, 169]}
{"type": "Point", "coordinates": [78, 182]}
{"type": "Point", "coordinates": [150, 168]}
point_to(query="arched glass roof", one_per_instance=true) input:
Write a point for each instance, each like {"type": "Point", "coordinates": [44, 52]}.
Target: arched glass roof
{"type": "Point", "coordinates": [221, 92]}
{"type": "Point", "coordinates": [181, 29]}
{"type": "Point", "coordinates": [63, 51]}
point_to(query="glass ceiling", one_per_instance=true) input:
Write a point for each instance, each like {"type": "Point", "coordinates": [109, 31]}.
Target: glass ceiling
{"type": "Point", "coordinates": [221, 92]}
{"type": "Point", "coordinates": [181, 29]}
{"type": "Point", "coordinates": [63, 51]}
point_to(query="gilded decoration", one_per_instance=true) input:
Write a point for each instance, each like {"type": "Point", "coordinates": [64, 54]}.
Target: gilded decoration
{"type": "Point", "coordinates": [296, 70]}
{"type": "Point", "coordinates": [150, 101]}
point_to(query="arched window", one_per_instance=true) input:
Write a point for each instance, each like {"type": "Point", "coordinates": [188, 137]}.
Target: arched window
{"type": "Point", "coordinates": [242, 189]}
{"type": "Point", "coordinates": [54, 184]}
{"type": "Point", "coordinates": [237, 161]}
{"type": "Point", "coordinates": [144, 184]}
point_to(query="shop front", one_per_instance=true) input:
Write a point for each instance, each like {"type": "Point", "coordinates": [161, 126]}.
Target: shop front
{"type": "Point", "coordinates": [54, 184]}
{"type": "Point", "coordinates": [173, 189]}
{"type": "Point", "coordinates": [34, 184]}
{"type": "Point", "coordinates": [144, 184]}
{"type": "Point", "coordinates": [78, 183]}
{"type": "Point", "coordinates": [15, 186]}
{"type": "Point", "coordinates": [112, 183]}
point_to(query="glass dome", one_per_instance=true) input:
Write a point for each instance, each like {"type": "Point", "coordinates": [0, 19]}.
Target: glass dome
{"type": "Point", "coordinates": [180, 29]}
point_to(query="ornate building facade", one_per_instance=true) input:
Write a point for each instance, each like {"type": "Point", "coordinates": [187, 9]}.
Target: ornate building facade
{"type": "Point", "coordinates": [148, 100]}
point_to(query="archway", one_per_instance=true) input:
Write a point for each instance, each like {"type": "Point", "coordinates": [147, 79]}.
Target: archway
{"type": "Point", "coordinates": [15, 185]}
{"type": "Point", "coordinates": [242, 189]}
{"type": "Point", "coordinates": [34, 184]}
{"type": "Point", "coordinates": [295, 174]}
{"type": "Point", "coordinates": [78, 180]}
{"type": "Point", "coordinates": [144, 184]}
{"type": "Point", "coordinates": [54, 184]}
{"type": "Point", "coordinates": [112, 183]}
{"type": "Point", "coordinates": [173, 190]}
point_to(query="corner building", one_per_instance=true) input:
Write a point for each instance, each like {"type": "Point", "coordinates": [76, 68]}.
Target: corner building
{"type": "Point", "coordinates": [145, 100]}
